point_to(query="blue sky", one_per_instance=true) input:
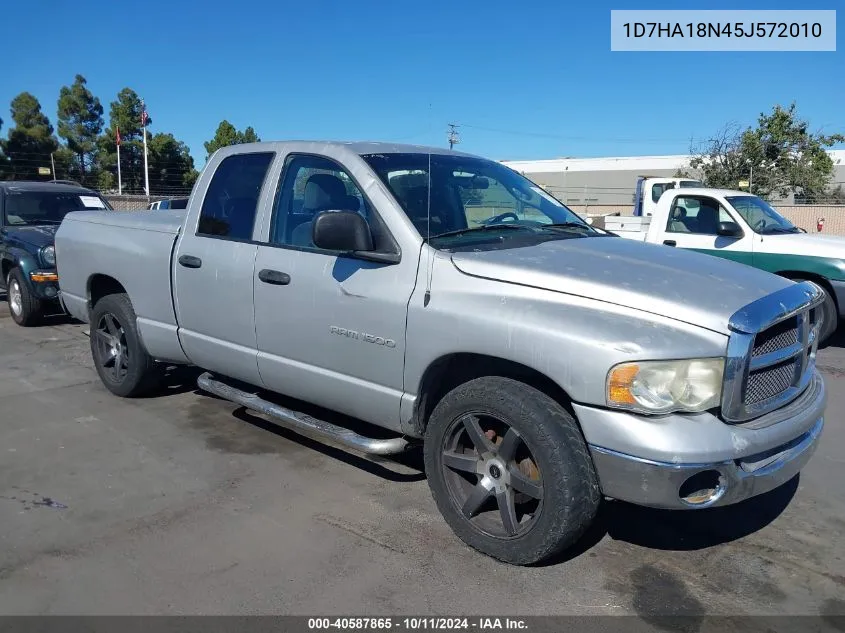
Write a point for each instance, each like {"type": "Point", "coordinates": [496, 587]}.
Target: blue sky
{"type": "Point", "coordinates": [531, 79]}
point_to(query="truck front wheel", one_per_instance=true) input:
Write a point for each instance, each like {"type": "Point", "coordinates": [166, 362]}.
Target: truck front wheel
{"type": "Point", "coordinates": [509, 470]}
{"type": "Point", "coordinates": [124, 366]}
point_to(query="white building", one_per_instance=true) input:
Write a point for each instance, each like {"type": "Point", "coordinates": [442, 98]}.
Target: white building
{"type": "Point", "coordinates": [611, 181]}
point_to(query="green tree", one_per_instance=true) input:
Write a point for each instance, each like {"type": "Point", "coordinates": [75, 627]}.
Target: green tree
{"type": "Point", "coordinates": [80, 124]}
{"type": "Point", "coordinates": [125, 114]}
{"type": "Point", "coordinates": [249, 136]}
{"type": "Point", "coordinates": [780, 156]}
{"type": "Point", "coordinates": [227, 134]}
{"type": "Point", "coordinates": [170, 162]}
{"type": "Point", "coordinates": [31, 141]}
{"type": "Point", "coordinates": [3, 161]}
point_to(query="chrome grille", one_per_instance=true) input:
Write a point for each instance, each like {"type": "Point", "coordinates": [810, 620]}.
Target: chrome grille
{"type": "Point", "coordinates": [776, 337]}
{"type": "Point", "coordinates": [769, 382]}
{"type": "Point", "coordinates": [771, 351]}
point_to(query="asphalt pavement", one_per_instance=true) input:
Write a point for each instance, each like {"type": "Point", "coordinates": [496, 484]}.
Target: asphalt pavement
{"type": "Point", "coordinates": [185, 504]}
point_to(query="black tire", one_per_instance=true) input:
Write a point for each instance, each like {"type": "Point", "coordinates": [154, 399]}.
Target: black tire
{"type": "Point", "coordinates": [830, 311]}
{"type": "Point", "coordinates": [569, 494]}
{"type": "Point", "coordinates": [121, 360]}
{"type": "Point", "coordinates": [25, 309]}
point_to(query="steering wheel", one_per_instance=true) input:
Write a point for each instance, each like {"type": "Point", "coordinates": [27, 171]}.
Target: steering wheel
{"type": "Point", "coordinates": [497, 219]}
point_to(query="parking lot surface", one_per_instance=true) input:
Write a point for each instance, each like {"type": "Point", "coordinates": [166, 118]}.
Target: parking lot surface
{"type": "Point", "coordinates": [186, 504]}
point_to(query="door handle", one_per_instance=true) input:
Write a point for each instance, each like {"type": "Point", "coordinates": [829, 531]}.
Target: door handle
{"type": "Point", "coordinates": [670, 242]}
{"type": "Point", "coordinates": [274, 277]}
{"type": "Point", "coordinates": [189, 261]}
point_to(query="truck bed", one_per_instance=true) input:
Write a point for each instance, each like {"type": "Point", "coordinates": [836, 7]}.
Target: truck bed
{"type": "Point", "coordinates": [133, 249]}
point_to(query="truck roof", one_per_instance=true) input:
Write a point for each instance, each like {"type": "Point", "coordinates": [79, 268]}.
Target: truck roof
{"type": "Point", "coordinates": [706, 191]}
{"type": "Point", "coordinates": [355, 147]}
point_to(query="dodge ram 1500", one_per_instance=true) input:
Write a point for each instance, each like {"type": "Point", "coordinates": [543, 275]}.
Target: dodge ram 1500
{"type": "Point", "coordinates": [541, 363]}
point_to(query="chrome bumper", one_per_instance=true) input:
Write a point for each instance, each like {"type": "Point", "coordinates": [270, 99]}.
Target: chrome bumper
{"type": "Point", "coordinates": [649, 461]}
{"type": "Point", "coordinates": [659, 484]}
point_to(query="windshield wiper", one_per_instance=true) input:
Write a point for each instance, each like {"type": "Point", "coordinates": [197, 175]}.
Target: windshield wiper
{"type": "Point", "coordinates": [479, 229]}
{"type": "Point", "coordinates": [567, 225]}
{"type": "Point", "coordinates": [780, 229]}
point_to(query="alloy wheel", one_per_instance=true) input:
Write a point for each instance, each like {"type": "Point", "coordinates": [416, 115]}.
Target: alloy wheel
{"type": "Point", "coordinates": [112, 350]}
{"type": "Point", "coordinates": [491, 475]}
{"type": "Point", "coordinates": [15, 297]}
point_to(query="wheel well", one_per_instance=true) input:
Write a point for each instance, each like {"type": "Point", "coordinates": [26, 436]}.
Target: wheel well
{"type": "Point", "coordinates": [447, 372]}
{"type": "Point", "coordinates": [819, 279]}
{"type": "Point", "coordinates": [101, 285]}
{"type": "Point", "coordinates": [6, 267]}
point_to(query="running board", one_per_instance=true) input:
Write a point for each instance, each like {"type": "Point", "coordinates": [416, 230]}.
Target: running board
{"type": "Point", "coordinates": [302, 422]}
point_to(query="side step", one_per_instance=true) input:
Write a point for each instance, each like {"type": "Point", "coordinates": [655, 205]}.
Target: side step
{"type": "Point", "coordinates": [301, 422]}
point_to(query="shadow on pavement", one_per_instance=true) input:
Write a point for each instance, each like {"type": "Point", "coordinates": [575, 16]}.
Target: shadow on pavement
{"type": "Point", "coordinates": [377, 466]}
{"type": "Point", "coordinates": [682, 530]}
{"type": "Point", "coordinates": [685, 530]}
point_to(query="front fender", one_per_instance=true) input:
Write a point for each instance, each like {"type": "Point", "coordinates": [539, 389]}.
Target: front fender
{"type": "Point", "coordinates": [572, 340]}
{"type": "Point", "coordinates": [15, 257]}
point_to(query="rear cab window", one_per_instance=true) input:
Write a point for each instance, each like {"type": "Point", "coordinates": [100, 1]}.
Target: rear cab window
{"type": "Point", "coordinates": [231, 201]}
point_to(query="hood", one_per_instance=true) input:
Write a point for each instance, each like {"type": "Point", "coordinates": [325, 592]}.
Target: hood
{"type": "Point", "coordinates": [37, 236]}
{"type": "Point", "coordinates": [699, 289]}
{"type": "Point", "coordinates": [815, 244]}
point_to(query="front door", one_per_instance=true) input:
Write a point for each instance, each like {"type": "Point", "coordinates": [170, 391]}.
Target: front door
{"type": "Point", "coordinates": [693, 223]}
{"type": "Point", "coordinates": [212, 271]}
{"type": "Point", "coordinates": [330, 328]}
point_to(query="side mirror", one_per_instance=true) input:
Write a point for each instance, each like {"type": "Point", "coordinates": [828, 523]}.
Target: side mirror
{"type": "Point", "coordinates": [341, 231]}
{"type": "Point", "coordinates": [729, 229]}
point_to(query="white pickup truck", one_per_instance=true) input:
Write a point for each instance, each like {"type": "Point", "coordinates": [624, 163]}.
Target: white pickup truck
{"type": "Point", "coordinates": [745, 228]}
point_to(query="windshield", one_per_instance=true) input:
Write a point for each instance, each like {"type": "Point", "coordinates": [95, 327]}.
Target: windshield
{"type": "Point", "coordinates": [25, 208]}
{"type": "Point", "coordinates": [472, 200]}
{"type": "Point", "coordinates": [760, 216]}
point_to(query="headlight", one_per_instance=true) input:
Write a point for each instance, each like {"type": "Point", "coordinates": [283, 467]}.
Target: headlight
{"type": "Point", "coordinates": [48, 255]}
{"type": "Point", "coordinates": [667, 385]}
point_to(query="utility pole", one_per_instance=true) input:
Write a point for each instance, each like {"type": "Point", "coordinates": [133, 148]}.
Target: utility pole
{"type": "Point", "coordinates": [453, 135]}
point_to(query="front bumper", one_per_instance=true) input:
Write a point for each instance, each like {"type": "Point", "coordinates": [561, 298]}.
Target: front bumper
{"type": "Point", "coordinates": [44, 284]}
{"type": "Point", "coordinates": [738, 461]}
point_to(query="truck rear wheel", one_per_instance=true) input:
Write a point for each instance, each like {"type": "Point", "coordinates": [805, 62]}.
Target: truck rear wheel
{"type": "Point", "coordinates": [509, 470]}
{"type": "Point", "coordinates": [124, 366]}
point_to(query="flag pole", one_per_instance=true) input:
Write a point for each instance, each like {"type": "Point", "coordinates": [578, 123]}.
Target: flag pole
{"type": "Point", "coordinates": [119, 179]}
{"type": "Point", "coordinates": [146, 169]}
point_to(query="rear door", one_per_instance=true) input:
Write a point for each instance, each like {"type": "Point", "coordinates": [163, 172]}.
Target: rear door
{"type": "Point", "coordinates": [692, 223]}
{"type": "Point", "coordinates": [213, 267]}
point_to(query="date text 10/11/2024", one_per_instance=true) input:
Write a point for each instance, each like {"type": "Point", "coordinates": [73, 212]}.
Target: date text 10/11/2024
{"type": "Point", "coordinates": [417, 624]}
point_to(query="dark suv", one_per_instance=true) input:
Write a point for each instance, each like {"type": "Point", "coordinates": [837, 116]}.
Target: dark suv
{"type": "Point", "coordinates": [30, 213]}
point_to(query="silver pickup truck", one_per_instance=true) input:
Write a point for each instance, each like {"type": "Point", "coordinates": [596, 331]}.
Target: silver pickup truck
{"type": "Point", "coordinates": [543, 364]}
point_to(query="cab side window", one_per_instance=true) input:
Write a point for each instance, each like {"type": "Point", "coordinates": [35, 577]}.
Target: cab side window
{"type": "Point", "coordinates": [658, 190]}
{"type": "Point", "coordinates": [231, 202]}
{"type": "Point", "coordinates": [696, 215]}
{"type": "Point", "coordinates": [311, 185]}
